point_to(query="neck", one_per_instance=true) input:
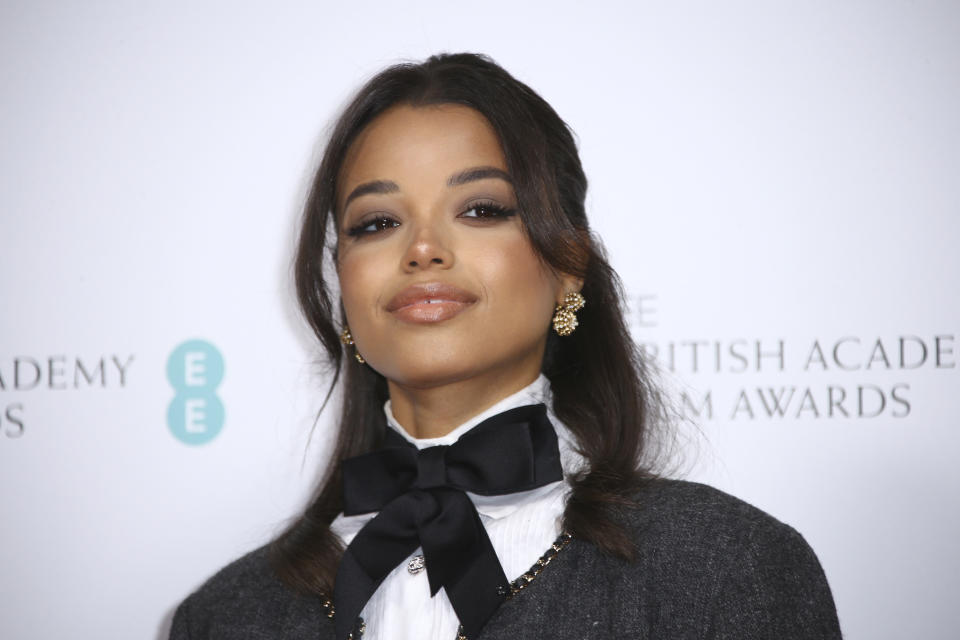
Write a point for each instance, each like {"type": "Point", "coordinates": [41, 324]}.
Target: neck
{"type": "Point", "coordinates": [433, 412]}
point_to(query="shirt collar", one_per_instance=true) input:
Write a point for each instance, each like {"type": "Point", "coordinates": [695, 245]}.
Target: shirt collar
{"type": "Point", "coordinates": [534, 393]}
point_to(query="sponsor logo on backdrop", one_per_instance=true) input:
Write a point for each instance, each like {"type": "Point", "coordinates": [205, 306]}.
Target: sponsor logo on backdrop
{"type": "Point", "coordinates": [840, 376]}
{"type": "Point", "coordinates": [195, 414]}
{"type": "Point", "coordinates": [22, 375]}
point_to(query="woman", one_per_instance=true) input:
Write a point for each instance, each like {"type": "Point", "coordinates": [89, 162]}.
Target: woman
{"type": "Point", "coordinates": [493, 474]}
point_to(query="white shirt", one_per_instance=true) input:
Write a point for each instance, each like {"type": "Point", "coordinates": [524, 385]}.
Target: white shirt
{"type": "Point", "coordinates": [521, 527]}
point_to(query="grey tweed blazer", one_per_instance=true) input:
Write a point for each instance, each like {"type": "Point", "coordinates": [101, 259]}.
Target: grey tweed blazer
{"type": "Point", "coordinates": [709, 566]}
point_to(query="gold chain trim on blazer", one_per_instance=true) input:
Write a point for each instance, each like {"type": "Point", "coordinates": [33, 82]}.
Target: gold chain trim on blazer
{"type": "Point", "coordinates": [516, 586]}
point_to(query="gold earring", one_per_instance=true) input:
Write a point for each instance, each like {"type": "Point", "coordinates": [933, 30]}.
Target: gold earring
{"type": "Point", "coordinates": [564, 317]}
{"type": "Point", "coordinates": [347, 339]}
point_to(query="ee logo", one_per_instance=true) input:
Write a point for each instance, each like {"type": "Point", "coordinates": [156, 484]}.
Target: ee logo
{"type": "Point", "coordinates": [195, 370]}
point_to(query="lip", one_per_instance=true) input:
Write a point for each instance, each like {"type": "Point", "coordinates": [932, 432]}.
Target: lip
{"type": "Point", "coordinates": [429, 302]}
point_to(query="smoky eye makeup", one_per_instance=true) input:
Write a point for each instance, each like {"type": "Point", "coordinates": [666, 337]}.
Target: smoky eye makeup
{"type": "Point", "coordinates": [486, 210]}
{"type": "Point", "coordinates": [370, 224]}
{"type": "Point", "coordinates": [478, 209]}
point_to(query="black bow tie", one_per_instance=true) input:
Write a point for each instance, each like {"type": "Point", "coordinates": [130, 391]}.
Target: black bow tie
{"type": "Point", "coordinates": [422, 502]}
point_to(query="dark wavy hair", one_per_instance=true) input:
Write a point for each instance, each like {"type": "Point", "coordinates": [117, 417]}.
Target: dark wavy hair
{"type": "Point", "coordinates": [602, 390]}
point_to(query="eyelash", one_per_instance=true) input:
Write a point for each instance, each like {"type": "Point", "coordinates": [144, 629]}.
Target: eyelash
{"type": "Point", "coordinates": [382, 222]}
{"type": "Point", "coordinates": [494, 208]}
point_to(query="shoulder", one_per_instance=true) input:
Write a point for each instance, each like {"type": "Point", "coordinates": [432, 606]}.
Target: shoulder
{"type": "Point", "coordinates": [243, 599]}
{"type": "Point", "coordinates": [678, 525]}
{"type": "Point", "coordinates": [698, 514]}
{"type": "Point", "coordinates": [683, 522]}
{"type": "Point", "coordinates": [749, 574]}
{"type": "Point", "coordinates": [707, 565]}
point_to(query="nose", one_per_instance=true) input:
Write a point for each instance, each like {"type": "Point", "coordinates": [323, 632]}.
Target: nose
{"type": "Point", "coordinates": [427, 249]}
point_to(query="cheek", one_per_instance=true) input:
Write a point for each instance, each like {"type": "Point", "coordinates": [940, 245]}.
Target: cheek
{"type": "Point", "coordinates": [357, 285]}
{"type": "Point", "coordinates": [518, 280]}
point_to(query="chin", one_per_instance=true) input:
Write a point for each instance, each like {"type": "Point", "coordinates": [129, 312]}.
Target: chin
{"type": "Point", "coordinates": [427, 377]}
{"type": "Point", "coordinates": [428, 368]}
{"type": "Point", "coordinates": [423, 372]}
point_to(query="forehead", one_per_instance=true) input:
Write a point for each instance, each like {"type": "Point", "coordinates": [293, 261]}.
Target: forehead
{"type": "Point", "coordinates": [420, 146]}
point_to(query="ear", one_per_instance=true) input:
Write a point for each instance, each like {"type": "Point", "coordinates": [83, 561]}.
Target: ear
{"type": "Point", "coordinates": [580, 250]}
{"type": "Point", "coordinates": [567, 284]}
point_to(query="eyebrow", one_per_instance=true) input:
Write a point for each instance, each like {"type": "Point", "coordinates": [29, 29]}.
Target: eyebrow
{"type": "Point", "coordinates": [376, 186]}
{"type": "Point", "coordinates": [477, 173]}
{"type": "Point", "coordinates": [467, 175]}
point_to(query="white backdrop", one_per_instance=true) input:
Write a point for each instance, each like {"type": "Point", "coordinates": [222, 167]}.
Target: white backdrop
{"type": "Point", "coordinates": [770, 178]}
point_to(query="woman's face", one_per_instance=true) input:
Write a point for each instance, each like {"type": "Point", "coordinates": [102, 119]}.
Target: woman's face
{"type": "Point", "coordinates": [439, 282]}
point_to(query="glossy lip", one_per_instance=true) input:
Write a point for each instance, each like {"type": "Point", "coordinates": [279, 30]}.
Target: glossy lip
{"type": "Point", "coordinates": [429, 302]}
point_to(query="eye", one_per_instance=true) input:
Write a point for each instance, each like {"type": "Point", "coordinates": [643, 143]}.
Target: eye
{"type": "Point", "coordinates": [487, 210]}
{"type": "Point", "coordinates": [372, 225]}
